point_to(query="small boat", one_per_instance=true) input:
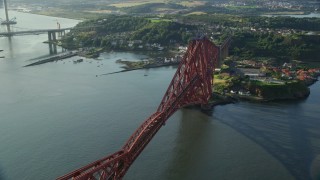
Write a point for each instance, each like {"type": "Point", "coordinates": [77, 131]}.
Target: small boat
{"type": "Point", "coordinates": [77, 61]}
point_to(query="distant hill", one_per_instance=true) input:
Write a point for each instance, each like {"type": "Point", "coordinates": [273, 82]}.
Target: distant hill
{"type": "Point", "coordinates": [251, 7]}
{"type": "Point", "coordinates": [130, 1]}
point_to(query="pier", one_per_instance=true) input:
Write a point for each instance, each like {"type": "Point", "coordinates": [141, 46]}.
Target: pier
{"type": "Point", "coordinates": [54, 58]}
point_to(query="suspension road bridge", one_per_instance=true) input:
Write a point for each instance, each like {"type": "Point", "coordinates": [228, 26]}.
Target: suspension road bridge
{"type": "Point", "coordinates": [191, 84]}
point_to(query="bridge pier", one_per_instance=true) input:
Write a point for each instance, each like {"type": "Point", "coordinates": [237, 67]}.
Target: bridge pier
{"type": "Point", "coordinates": [206, 107]}
{"type": "Point", "coordinates": [52, 49]}
{"type": "Point", "coordinates": [220, 59]}
{"type": "Point", "coordinates": [61, 33]}
{"type": "Point", "coordinates": [49, 37]}
{"type": "Point", "coordinates": [223, 52]}
{"type": "Point", "coordinates": [52, 36]}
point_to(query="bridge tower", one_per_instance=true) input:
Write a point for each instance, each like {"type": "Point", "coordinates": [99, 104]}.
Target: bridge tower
{"type": "Point", "coordinates": [7, 22]}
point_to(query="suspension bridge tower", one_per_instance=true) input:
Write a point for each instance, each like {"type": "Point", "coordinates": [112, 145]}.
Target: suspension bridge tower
{"type": "Point", "coordinates": [8, 22]}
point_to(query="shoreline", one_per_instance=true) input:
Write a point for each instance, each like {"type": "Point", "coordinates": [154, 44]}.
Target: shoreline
{"type": "Point", "coordinates": [40, 14]}
{"type": "Point", "coordinates": [240, 97]}
{"type": "Point", "coordinates": [231, 99]}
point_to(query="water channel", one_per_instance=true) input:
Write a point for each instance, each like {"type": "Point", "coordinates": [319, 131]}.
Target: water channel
{"type": "Point", "coordinates": [60, 116]}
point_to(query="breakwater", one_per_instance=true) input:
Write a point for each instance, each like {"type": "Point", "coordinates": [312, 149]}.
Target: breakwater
{"type": "Point", "coordinates": [53, 58]}
{"type": "Point", "coordinates": [149, 66]}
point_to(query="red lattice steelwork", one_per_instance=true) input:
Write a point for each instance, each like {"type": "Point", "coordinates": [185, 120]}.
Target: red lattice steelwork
{"type": "Point", "coordinates": [191, 84]}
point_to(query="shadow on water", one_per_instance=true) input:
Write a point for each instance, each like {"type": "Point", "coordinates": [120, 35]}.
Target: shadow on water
{"type": "Point", "coordinates": [2, 175]}
{"type": "Point", "coordinates": [52, 48]}
{"type": "Point", "coordinates": [191, 136]}
{"type": "Point", "coordinates": [282, 129]}
{"type": "Point", "coordinates": [11, 51]}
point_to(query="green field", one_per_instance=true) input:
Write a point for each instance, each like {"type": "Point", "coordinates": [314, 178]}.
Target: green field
{"type": "Point", "coordinates": [135, 3]}
{"type": "Point", "coordinates": [157, 20]}
{"type": "Point", "coordinates": [241, 7]}
{"type": "Point", "coordinates": [196, 13]}
{"type": "Point", "coordinates": [192, 3]}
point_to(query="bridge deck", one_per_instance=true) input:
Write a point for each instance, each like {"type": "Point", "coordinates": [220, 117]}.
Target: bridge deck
{"type": "Point", "coordinates": [37, 31]}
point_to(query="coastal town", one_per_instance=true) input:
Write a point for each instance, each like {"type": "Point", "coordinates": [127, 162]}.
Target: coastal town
{"type": "Point", "coordinates": [250, 80]}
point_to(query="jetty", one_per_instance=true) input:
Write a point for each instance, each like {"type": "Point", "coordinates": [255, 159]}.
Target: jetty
{"type": "Point", "coordinates": [54, 58]}
{"type": "Point", "coordinates": [148, 66]}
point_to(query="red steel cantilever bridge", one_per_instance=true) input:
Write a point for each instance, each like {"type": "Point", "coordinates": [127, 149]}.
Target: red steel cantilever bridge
{"type": "Point", "coordinates": [191, 84]}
